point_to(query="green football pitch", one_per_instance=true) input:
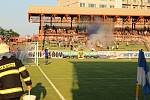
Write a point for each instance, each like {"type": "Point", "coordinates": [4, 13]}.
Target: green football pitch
{"type": "Point", "coordinates": [87, 79]}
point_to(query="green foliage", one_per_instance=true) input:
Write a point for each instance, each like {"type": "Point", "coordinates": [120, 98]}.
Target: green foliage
{"type": "Point", "coordinates": [10, 32]}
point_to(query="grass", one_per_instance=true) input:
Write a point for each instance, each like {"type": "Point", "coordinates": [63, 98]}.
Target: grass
{"type": "Point", "coordinates": [87, 79]}
{"type": "Point", "coordinates": [132, 46]}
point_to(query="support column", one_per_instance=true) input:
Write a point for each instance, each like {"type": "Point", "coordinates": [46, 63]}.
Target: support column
{"type": "Point", "coordinates": [104, 18]}
{"type": "Point", "coordinates": [92, 18]}
{"type": "Point", "coordinates": [61, 18]}
{"type": "Point", "coordinates": [133, 23]}
{"type": "Point", "coordinates": [41, 29]}
{"type": "Point", "coordinates": [71, 21]}
{"type": "Point", "coordinates": [79, 19]}
{"type": "Point", "coordinates": [41, 24]}
{"type": "Point", "coordinates": [144, 22]}
{"type": "Point", "coordinates": [51, 20]}
{"type": "Point", "coordinates": [29, 17]}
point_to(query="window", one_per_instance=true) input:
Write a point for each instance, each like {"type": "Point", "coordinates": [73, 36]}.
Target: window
{"type": "Point", "coordinates": [148, 7]}
{"type": "Point", "coordinates": [124, 6]}
{"type": "Point", "coordinates": [112, 6]}
{"type": "Point", "coordinates": [102, 6]}
{"type": "Point", "coordinates": [82, 4]}
{"type": "Point", "coordinates": [134, 1]}
{"type": "Point", "coordinates": [134, 7]}
{"type": "Point", "coordinates": [124, 0]}
{"type": "Point", "coordinates": [92, 5]}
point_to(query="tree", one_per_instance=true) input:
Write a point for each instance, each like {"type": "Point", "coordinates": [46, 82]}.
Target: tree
{"type": "Point", "coordinates": [6, 34]}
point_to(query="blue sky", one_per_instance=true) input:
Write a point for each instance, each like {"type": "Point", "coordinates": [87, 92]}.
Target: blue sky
{"type": "Point", "coordinates": [13, 15]}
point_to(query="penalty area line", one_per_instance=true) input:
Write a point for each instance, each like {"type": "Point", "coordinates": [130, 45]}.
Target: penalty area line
{"type": "Point", "coordinates": [51, 83]}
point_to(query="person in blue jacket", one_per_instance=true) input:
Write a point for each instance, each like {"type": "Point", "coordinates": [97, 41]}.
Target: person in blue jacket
{"type": "Point", "coordinates": [46, 56]}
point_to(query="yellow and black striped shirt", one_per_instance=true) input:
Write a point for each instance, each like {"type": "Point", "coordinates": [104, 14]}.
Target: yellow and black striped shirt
{"type": "Point", "coordinates": [11, 69]}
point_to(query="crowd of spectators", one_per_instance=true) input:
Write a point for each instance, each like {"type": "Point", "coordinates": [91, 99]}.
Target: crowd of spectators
{"type": "Point", "coordinates": [128, 31]}
{"type": "Point", "coordinates": [69, 37]}
{"type": "Point", "coordinates": [128, 34]}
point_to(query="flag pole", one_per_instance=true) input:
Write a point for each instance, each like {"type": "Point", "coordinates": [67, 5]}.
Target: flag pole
{"type": "Point", "coordinates": [145, 97]}
{"type": "Point", "coordinates": [137, 91]}
{"type": "Point", "coordinates": [142, 75]}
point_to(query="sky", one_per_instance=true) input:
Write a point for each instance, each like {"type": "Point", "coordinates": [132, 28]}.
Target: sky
{"type": "Point", "coordinates": [14, 15]}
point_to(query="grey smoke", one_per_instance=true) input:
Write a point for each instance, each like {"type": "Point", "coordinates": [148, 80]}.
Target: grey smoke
{"type": "Point", "coordinates": [22, 51]}
{"type": "Point", "coordinates": [100, 34]}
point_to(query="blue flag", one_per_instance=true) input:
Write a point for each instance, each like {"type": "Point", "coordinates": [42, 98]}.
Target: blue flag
{"type": "Point", "coordinates": [142, 73]}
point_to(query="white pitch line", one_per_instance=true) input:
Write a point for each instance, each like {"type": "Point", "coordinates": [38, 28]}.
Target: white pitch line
{"type": "Point", "coordinates": [60, 95]}
{"type": "Point", "coordinates": [98, 78]}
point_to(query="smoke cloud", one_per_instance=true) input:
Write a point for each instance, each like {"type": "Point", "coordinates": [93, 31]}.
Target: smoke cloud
{"type": "Point", "coordinates": [100, 35]}
{"type": "Point", "coordinates": [22, 51]}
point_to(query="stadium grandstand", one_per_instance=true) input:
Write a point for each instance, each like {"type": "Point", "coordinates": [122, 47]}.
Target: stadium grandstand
{"type": "Point", "coordinates": [98, 70]}
{"type": "Point", "coordinates": [67, 26]}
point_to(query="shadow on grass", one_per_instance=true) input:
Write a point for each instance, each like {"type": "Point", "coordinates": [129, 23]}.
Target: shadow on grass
{"type": "Point", "coordinates": [39, 91]}
{"type": "Point", "coordinates": [104, 81]}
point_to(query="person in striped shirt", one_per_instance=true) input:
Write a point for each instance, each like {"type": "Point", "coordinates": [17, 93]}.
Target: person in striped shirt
{"type": "Point", "coordinates": [11, 71]}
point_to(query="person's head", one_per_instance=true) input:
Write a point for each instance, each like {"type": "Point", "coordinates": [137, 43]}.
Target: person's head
{"type": "Point", "coordinates": [4, 48]}
{"type": "Point", "coordinates": [46, 48]}
{"type": "Point", "coordinates": [39, 84]}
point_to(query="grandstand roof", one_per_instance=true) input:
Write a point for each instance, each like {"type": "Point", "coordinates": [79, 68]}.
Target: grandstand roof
{"type": "Point", "coordinates": [87, 11]}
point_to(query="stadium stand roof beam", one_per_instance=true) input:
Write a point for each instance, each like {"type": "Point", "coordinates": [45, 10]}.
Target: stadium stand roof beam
{"type": "Point", "coordinates": [33, 10]}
